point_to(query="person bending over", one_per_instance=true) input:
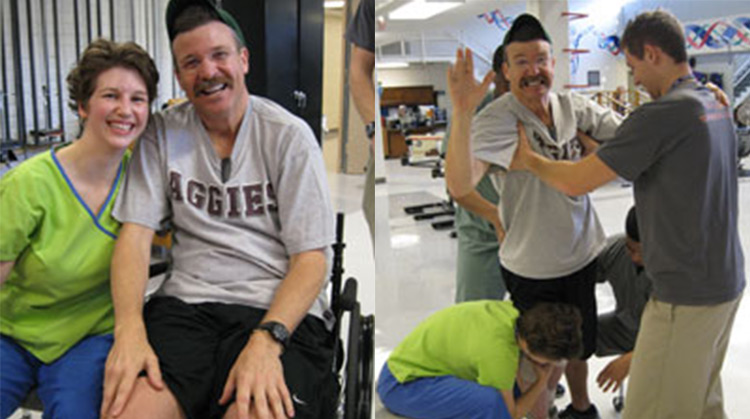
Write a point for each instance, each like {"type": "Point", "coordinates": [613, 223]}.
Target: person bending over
{"type": "Point", "coordinates": [462, 361]}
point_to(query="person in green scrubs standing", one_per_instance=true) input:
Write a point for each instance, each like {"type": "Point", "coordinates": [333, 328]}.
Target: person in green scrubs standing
{"type": "Point", "coordinates": [478, 274]}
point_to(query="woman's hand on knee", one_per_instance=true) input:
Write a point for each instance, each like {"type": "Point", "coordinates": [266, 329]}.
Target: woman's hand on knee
{"type": "Point", "coordinates": [129, 355]}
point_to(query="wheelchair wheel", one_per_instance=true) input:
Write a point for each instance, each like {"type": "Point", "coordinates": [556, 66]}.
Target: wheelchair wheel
{"type": "Point", "coordinates": [367, 353]}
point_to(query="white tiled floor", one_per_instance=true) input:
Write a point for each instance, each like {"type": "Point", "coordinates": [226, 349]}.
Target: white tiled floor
{"type": "Point", "coordinates": [415, 276]}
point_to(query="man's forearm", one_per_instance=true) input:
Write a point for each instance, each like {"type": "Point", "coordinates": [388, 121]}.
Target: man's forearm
{"type": "Point", "coordinates": [558, 174]}
{"type": "Point", "coordinates": [299, 289]}
{"type": "Point", "coordinates": [362, 83]}
{"type": "Point", "coordinates": [571, 178]}
{"type": "Point", "coordinates": [478, 205]}
{"type": "Point", "coordinates": [129, 273]}
{"type": "Point", "coordinates": [459, 163]}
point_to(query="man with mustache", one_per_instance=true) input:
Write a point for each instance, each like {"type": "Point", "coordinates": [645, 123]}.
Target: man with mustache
{"type": "Point", "coordinates": [241, 326]}
{"type": "Point", "coordinates": [549, 240]}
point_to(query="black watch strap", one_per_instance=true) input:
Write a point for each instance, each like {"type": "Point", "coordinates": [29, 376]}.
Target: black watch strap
{"type": "Point", "coordinates": [278, 332]}
{"type": "Point", "coordinates": [370, 129]}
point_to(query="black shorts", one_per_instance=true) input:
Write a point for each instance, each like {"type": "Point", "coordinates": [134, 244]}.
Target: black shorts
{"type": "Point", "coordinates": [576, 289]}
{"type": "Point", "coordinates": [197, 345]}
{"type": "Point", "coordinates": [613, 337]}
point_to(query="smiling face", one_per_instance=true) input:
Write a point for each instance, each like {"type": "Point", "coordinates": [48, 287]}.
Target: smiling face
{"type": "Point", "coordinates": [529, 68]}
{"type": "Point", "coordinates": [211, 68]}
{"type": "Point", "coordinates": [118, 109]}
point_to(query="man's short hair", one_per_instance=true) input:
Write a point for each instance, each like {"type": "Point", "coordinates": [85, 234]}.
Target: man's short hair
{"type": "Point", "coordinates": [498, 58]}
{"type": "Point", "coordinates": [102, 55]}
{"type": "Point", "coordinates": [658, 28]}
{"type": "Point", "coordinates": [186, 15]}
{"type": "Point", "coordinates": [631, 226]}
{"type": "Point", "coordinates": [552, 330]}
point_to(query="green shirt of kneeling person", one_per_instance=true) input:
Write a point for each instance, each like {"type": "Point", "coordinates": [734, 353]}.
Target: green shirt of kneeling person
{"type": "Point", "coordinates": [462, 361]}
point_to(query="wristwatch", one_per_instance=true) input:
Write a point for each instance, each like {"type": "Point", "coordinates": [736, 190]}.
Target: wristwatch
{"type": "Point", "coordinates": [278, 332]}
{"type": "Point", "coordinates": [370, 129]}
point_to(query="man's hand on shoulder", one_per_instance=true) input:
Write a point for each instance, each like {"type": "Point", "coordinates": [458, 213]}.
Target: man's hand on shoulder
{"type": "Point", "coordinates": [130, 354]}
{"type": "Point", "coordinates": [589, 143]}
{"type": "Point", "coordinates": [524, 153]}
{"type": "Point", "coordinates": [719, 94]}
{"type": "Point", "coordinates": [257, 380]}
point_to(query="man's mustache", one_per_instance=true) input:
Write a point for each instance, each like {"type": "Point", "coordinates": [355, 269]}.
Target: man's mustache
{"type": "Point", "coordinates": [526, 81]}
{"type": "Point", "coordinates": [211, 83]}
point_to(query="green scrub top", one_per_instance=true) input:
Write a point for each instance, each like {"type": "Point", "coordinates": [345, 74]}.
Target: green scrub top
{"type": "Point", "coordinates": [58, 291]}
{"type": "Point", "coordinates": [476, 230]}
{"type": "Point", "coordinates": [473, 341]}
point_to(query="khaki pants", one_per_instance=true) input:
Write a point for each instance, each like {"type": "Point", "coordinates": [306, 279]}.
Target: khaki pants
{"type": "Point", "coordinates": [675, 373]}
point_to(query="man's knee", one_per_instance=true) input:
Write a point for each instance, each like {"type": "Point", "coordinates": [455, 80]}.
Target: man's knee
{"type": "Point", "coordinates": [147, 402]}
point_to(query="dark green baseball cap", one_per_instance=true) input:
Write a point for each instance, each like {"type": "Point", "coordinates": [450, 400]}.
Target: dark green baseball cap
{"type": "Point", "coordinates": [525, 28]}
{"type": "Point", "coordinates": [176, 7]}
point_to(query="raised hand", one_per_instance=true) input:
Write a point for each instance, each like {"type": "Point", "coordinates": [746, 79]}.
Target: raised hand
{"type": "Point", "coordinates": [465, 92]}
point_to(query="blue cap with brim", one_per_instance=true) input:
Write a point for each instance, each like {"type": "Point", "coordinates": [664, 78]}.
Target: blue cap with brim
{"type": "Point", "coordinates": [176, 7]}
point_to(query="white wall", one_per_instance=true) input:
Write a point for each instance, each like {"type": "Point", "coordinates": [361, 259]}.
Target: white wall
{"type": "Point", "coordinates": [592, 33]}
{"type": "Point", "coordinates": [333, 50]}
{"type": "Point", "coordinates": [557, 27]}
{"type": "Point", "coordinates": [688, 10]}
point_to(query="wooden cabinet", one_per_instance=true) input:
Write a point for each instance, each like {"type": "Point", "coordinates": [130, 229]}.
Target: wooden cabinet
{"type": "Point", "coordinates": [394, 143]}
{"type": "Point", "coordinates": [413, 95]}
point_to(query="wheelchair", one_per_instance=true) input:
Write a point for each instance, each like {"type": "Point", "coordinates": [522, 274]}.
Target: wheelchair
{"type": "Point", "coordinates": [355, 375]}
{"type": "Point", "coordinates": [352, 369]}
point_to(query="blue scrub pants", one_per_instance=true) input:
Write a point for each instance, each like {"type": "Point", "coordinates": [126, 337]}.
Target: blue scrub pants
{"type": "Point", "coordinates": [69, 387]}
{"type": "Point", "coordinates": [442, 397]}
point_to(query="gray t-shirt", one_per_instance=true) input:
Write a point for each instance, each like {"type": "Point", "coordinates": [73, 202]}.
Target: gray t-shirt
{"type": "Point", "coordinates": [233, 239]}
{"type": "Point", "coordinates": [681, 153]}
{"type": "Point", "coordinates": [630, 284]}
{"type": "Point", "coordinates": [548, 234]}
{"type": "Point", "coordinates": [361, 30]}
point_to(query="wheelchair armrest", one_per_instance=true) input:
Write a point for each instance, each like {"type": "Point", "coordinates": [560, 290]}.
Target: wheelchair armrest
{"type": "Point", "coordinates": [348, 297]}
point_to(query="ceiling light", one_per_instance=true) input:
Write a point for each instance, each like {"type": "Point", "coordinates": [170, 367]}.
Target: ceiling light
{"type": "Point", "coordinates": [393, 64]}
{"type": "Point", "coordinates": [421, 10]}
{"type": "Point", "coordinates": [334, 4]}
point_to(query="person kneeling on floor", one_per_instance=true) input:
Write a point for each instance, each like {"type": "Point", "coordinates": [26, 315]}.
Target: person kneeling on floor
{"type": "Point", "coordinates": [462, 361]}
